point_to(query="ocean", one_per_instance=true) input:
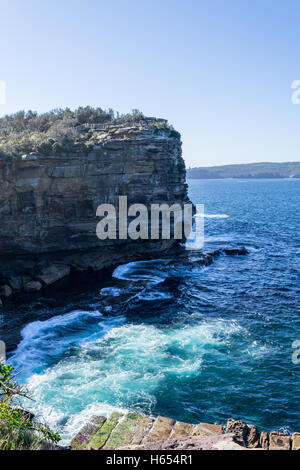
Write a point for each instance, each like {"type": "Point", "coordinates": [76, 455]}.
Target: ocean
{"type": "Point", "coordinates": [195, 343]}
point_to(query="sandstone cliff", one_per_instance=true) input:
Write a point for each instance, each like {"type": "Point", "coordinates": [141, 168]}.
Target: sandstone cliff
{"type": "Point", "coordinates": [48, 203]}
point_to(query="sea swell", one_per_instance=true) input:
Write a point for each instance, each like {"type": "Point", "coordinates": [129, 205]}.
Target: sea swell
{"type": "Point", "coordinates": [174, 337]}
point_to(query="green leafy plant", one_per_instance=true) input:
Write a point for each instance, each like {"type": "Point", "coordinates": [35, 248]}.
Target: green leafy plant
{"type": "Point", "coordinates": [19, 429]}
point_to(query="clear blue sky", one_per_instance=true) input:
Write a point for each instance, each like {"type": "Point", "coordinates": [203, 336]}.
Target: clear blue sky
{"type": "Point", "coordinates": [219, 70]}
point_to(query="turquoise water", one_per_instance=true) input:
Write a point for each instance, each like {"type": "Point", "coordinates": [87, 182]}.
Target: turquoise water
{"type": "Point", "coordinates": [178, 339]}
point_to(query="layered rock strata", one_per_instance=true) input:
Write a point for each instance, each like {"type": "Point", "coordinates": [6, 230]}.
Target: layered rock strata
{"type": "Point", "coordinates": [135, 432]}
{"type": "Point", "coordinates": [48, 204]}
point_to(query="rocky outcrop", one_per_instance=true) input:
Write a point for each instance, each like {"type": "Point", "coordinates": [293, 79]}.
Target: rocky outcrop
{"type": "Point", "coordinates": [279, 441]}
{"type": "Point", "coordinates": [246, 435]}
{"type": "Point", "coordinates": [296, 441]}
{"type": "Point", "coordinates": [48, 204]}
{"type": "Point", "coordinates": [224, 442]}
{"type": "Point", "coordinates": [135, 432]}
{"type": "Point", "coordinates": [82, 439]}
{"type": "Point", "coordinates": [264, 440]}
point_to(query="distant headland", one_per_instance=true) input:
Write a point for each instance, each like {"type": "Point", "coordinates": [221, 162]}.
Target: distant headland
{"type": "Point", "coordinates": [248, 170]}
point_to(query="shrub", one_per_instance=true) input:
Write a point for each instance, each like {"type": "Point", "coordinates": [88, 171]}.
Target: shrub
{"type": "Point", "coordinates": [46, 148]}
{"type": "Point", "coordinates": [58, 131]}
{"type": "Point", "coordinates": [19, 429]}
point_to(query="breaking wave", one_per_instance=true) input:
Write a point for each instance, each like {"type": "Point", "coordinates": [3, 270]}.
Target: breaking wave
{"type": "Point", "coordinates": [126, 368]}
{"type": "Point", "coordinates": [213, 216]}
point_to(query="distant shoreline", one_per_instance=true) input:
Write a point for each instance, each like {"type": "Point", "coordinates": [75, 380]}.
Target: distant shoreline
{"type": "Point", "coordinates": [289, 170]}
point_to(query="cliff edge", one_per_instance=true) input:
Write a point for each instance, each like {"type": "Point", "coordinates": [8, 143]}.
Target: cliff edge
{"type": "Point", "coordinates": [48, 203]}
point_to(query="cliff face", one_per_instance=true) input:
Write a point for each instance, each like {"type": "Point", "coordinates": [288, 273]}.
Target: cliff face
{"type": "Point", "coordinates": [48, 204]}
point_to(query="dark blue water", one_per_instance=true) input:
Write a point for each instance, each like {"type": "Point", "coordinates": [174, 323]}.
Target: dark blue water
{"type": "Point", "coordinates": [178, 339]}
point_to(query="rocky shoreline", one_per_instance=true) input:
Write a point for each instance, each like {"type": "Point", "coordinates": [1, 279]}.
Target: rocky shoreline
{"type": "Point", "coordinates": [57, 270]}
{"type": "Point", "coordinates": [136, 432]}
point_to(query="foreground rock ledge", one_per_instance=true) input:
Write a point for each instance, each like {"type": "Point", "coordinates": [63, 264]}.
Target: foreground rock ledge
{"type": "Point", "coordinates": [135, 432]}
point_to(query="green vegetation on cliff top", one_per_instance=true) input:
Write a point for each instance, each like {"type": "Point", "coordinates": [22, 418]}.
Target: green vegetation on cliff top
{"type": "Point", "coordinates": [61, 131]}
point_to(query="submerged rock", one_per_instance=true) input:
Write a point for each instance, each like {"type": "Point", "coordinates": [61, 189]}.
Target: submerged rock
{"type": "Point", "coordinates": [5, 291]}
{"type": "Point", "coordinates": [32, 286]}
{"type": "Point", "coordinates": [236, 251]}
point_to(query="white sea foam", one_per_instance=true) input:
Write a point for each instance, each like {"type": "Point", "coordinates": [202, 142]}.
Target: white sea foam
{"type": "Point", "coordinates": [152, 296]}
{"type": "Point", "coordinates": [44, 340]}
{"type": "Point", "coordinates": [67, 423]}
{"type": "Point", "coordinates": [138, 271]}
{"type": "Point", "coordinates": [124, 369]}
{"type": "Point", "coordinates": [223, 238]}
{"type": "Point", "coordinates": [212, 216]}
{"type": "Point", "coordinates": [111, 291]}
